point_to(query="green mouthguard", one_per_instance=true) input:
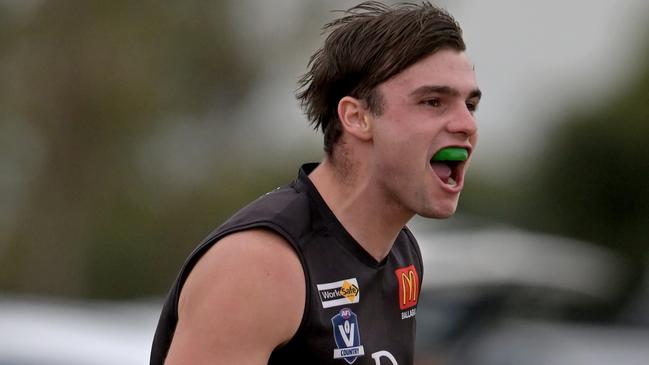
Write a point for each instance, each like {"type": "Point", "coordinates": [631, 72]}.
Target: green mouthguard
{"type": "Point", "coordinates": [451, 154]}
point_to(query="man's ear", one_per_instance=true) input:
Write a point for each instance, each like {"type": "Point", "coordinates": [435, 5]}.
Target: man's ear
{"type": "Point", "coordinates": [355, 118]}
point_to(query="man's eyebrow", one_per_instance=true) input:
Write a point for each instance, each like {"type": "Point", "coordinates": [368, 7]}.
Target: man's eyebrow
{"type": "Point", "coordinates": [445, 90]}
{"type": "Point", "coordinates": [476, 93]}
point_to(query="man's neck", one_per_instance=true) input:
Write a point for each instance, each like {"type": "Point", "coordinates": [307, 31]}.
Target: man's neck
{"type": "Point", "coordinates": [360, 206]}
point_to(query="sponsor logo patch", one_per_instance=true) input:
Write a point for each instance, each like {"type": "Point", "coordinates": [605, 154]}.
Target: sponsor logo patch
{"type": "Point", "coordinates": [408, 280]}
{"type": "Point", "coordinates": [342, 292]}
{"type": "Point", "coordinates": [347, 336]}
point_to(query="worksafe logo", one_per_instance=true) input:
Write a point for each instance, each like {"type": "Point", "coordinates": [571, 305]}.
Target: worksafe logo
{"type": "Point", "coordinates": [347, 336]}
{"type": "Point", "coordinates": [408, 286]}
{"type": "Point", "coordinates": [342, 292]}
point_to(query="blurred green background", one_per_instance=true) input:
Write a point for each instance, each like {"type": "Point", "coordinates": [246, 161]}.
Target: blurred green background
{"type": "Point", "coordinates": [130, 129]}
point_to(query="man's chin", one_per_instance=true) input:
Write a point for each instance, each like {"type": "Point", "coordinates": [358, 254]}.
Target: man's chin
{"type": "Point", "coordinates": [439, 212]}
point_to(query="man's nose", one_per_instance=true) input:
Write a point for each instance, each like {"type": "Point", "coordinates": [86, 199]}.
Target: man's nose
{"type": "Point", "coordinates": [463, 122]}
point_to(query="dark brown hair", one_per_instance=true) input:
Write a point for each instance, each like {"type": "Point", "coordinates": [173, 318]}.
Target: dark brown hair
{"type": "Point", "coordinates": [368, 45]}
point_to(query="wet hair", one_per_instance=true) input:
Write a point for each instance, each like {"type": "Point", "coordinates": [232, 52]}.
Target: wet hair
{"type": "Point", "coordinates": [368, 45]}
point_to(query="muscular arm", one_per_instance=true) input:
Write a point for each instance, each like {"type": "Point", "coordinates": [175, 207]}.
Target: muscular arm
{"type": "Point", "coordinates": [244, 297]}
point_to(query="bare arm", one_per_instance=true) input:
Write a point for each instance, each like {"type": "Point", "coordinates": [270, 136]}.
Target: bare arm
{"type": "Point", "coordinates": [244, 297]}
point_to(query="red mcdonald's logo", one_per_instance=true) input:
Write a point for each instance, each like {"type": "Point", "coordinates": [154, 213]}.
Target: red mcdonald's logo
{"type": "Point", "coordinates": [408, 286]}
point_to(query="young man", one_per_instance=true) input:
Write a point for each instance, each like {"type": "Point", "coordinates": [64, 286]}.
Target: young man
{"type": "Point", "coordinates": [324, 271]}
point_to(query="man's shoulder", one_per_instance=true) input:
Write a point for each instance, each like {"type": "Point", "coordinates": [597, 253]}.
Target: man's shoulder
{"type": "Point", "coordinates": [285, 209]}
{"type": "Point", "coordinates": [252, 251]}
{"type": "Point", "coordinates": [277, 200]}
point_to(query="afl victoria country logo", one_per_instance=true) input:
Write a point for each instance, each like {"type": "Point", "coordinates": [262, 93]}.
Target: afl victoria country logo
{"type": "Point", "coordinates": [347, 336]}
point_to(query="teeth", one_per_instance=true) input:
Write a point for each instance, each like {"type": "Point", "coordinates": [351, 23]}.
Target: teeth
{"type": "Point", "coordinates": [451, 181]}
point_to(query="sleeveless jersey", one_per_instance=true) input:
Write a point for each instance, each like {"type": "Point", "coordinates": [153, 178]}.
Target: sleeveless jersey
{"type": "Point", "coordinates": [357, 310]}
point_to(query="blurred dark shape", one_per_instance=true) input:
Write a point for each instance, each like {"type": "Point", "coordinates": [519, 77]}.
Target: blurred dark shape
{"type": "Point", "coordinates": [592, 183]}
{"type": "Point", "coordinates": [597, 171]}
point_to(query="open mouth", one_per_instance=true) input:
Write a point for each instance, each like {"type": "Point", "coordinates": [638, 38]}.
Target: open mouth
{"type": "Point", "coordinates": [447, 164]}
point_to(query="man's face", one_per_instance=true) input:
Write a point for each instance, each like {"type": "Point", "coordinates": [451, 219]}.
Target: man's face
{"type": "Point", "coordinates": [426, 107]}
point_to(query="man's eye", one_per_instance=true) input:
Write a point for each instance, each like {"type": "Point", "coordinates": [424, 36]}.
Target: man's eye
{"type": "Point", "coordinates": [471, 106]}
{"type": "Point", "coordinates": [433, 102]}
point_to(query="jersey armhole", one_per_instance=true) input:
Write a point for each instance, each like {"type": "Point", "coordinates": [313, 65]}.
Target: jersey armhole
{"type": "Point", "coordinates": [215, 238]}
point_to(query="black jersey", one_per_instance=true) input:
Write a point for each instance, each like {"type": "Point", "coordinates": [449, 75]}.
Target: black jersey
{"type": "Point", "coordinates": [357, 310]}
